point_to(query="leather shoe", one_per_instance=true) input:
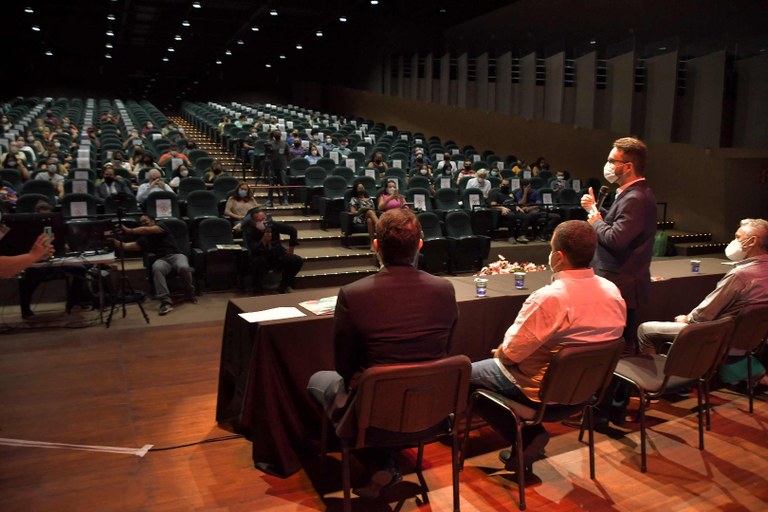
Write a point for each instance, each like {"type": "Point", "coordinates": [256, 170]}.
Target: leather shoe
{"type": "Point", "coordinates": [379, 480]}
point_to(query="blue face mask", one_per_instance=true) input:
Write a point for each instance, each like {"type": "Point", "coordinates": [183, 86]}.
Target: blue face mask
{"type": "Point", "coordinates": [242, 193]}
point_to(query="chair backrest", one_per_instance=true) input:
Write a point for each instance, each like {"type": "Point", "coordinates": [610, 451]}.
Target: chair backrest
{"type": "Point", "coordinates": [419, 182]}
{"type": "Point", "coordinates": [158, 202]}
{"type": "Point", "coordinates": [28, 202]}
{"type": "Point", "coordinates": [407, 398]}
{"type": "Point", "coordinates": [327, 164]}
{"type": "Point", "coordinates": [195, 155]}
{"type": "Point", "coordinates": [346, 173]}
{"type": "Point", "coordinates": [202, 203]}
{"type": "Point", "coordinates": [79, 187]}
{"type": "Point", "coordinates": [314, 176]}
{"type": "Point", "coordinates": [298, 164]}
{"type": "Point", "coordinates": [472, 198]}
{"type": "Point", "coordinates": [43, 187]}
{"type": "Point", "coordinates": [368, 182]}
{"type": "Point", "coordinates": [189, 184]}
{"type": "Point", "coordinates": [420, 198]}
{"type": "Point", "coordinates": [430, 225]}
{"type": "Point", "coordinates": [78, 205]}
{"type": "Point", "coordinates": [179, 232]}
{"type": "Point", "coordinates": [447, 199]}
{"type": "Point", "coordinates": [203, 163]}
{"type": "Point", "coordinates": [117, 202]}
{"type": "Point", "coordinates": [751, 328]}
{"type": "Point", "coordinates": [580, 372]}
{"type": "Point", "coordinates": [567, 197]}
{"type": "Point", "coordinates": [13, 177]}
{"type": "Point", "coordinates": [334, 187]}
{"type": "Point", "coordinates": [223, 186]}
{"type": "Point", "coordinates": [211, 232]}
{"type": "Point", "coordinates": [698, 348]}
{"type": "Point", "coordinates": [458, 224]}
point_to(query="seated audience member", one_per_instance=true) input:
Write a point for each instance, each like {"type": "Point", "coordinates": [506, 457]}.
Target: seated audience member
{"type": "Point", "coordinates": [364, 210]}
{"type": "Point", "coordinates": [481, 181]}
{"type": "Point", "coordinates": [419, 158]}
{"type": "Point", "coordinates": [328, 144]}
{"type": "Point", "coordinates": [343, 147]}
{"type": "Point", "coordinates": [503, 200]}
{"type": "Point", "coordinates": [745, 284]}
{"type": "Point", "coordinates": [408, 332]}
{"type": "Point", "coordinates": [313, 156]}
{"type": "Point", "coordinates": [378, 164]}
{"type": "Point", "coordinates": [577, 306]}
{"type": "Point", "coordinates": [447, 166]}
{"type": "Point", "coordinates": [153, 184]}
{"type": "Point", "coordinates": [133, 140]}
{"type": "Point", "coordinates": [15, 159]}
{"type": "Point", "coordinates": [149, 126]}
{"type": "Point", "coordinates": [119, 161]}
{"type": "Point", "coordinates": [528, 211]}
{"type": "Point", "coordinates": [539, 165]}
{"type": "Point", "coordinates": [146, 163]}
{"type": "Point", "coordinates": [111, 185]}
{"type": "Point", "coordinates": [296, 150]}
{"type": "Point", "coordinates": [158, 240]}
{"type": "Point", "coordinates": [181, 173]}
{"type": "Point", "coordinates": [172, 153]}
{"type": "Point", "coordinates": [466, 170]}
{"type": "Point", "coordinates": [391, 198]}
{"type": "Point", "coordinates": [216, 170]}
{"type": "Point", "coordinates": [559, 181]}
{"type": "Point", "coordinates": [240, 203]}
{"type": "Point", "coordinates": [77, 291]}
{"type": "Point", "coordinates": [51, 173]}
{"type": "Point", "coordinates": [261, 236]}
{"type": "Point", "coordinates": [423, 170]}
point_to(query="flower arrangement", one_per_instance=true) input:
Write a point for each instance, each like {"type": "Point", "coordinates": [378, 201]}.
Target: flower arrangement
{"type": "Point", "coordinates": [502, 266]}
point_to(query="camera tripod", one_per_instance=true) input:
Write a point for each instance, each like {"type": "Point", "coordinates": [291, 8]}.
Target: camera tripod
{"type": "Point", "coordinates": [126, 288]}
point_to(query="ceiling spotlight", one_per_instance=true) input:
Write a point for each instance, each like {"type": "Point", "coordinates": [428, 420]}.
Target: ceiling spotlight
{"type": "Point", "coordinates": [218, 61]}
{"type": "Point", "coordinates": [442, 11]}
{"type": "Point", "coordinates": [49, 53]}
{"type": "Point", "coordinates": [319, 33]}
{"type": "Point", "coordinates": [111, 17]}
{"type": "Point", "coordinates": [108, 45]}
{"type": "Point", "coordinates": [197, 5]}
{"type": "Point", "coordinates": [29, 10]}
{"type": "Point", "coordinates": [282, 57]}
{"type": "Point", "coordinates": [178, 37]}
{"type": "Point", "coordinates": [110, 33]}
{"type": "Point", "coordinates": [267, 65]}
{"type": "Point", "coordinates": [185, 23]}
{"type": "Point", "coordinates": [35, 28]}
{"type": "Point", "coordinates": [171, 49]}
{"type": "Point", "coordinates": [228, 52]}
{"type": "Point", "coordinates": [374, 2]}
{"type": "Point", "coordinates": [273, 12]}
{"type": "Point", "coordinates": [343, 19]}
{"type": "Point", "coordinates": [255, 29]}
{"type": "Point", "coordinates": [299, 47]}
{"type": "Point", "coordinates": [107, 55]}
{"type": "Point", "coordinates": [165, 59]}
{"type": "Point", "coordinates": [240, 42]}
{"type": "Point", "coordinates": [662, 48]}
{"type": "Point", "coordinates": [593, 42]}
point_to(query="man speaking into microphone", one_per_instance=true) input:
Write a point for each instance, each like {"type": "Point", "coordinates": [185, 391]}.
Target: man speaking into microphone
{"type": "Point", "coordinates": [625, 232]}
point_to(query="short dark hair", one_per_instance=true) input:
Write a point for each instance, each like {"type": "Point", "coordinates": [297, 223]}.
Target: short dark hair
{"type": "Point", "coordinates": [577, 240]}
{"type": "Point", "coordinates": [398, 233]}
{"type": "Point", "coordinates": [636, 150]}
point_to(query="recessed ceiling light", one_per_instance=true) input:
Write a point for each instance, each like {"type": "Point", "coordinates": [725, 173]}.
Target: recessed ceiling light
{"type": "Point", "coordinates": [178, 37]}
{"type": "Point", "coordinates": [171, 49]}
{"type": "Point", "coordinates": [299, 47]}
{"type": "Point", "coordinates": [255, 29]}
{"type": "Point", "coordinates": [282, 56]}
{"type": "Point", "coordinates": [267, 65]}
{"type": "Point", "coordinates": [111, 17]}
{"type": "Point", "coordinates": [218, 61]}
{"type": "Point", "coordinates": [662, 48]}
{"type": "Point", "coordinates": [374, 2]}
{"type": "Point", "coordinates": [197, 5]}
{"type": "Point", "coordinates": [240, 42]}
{"type": "Point", "coordinates": [49, 53]}
{"type": "Point", "coordinates": [228, 52]}
{"type": "Point", "coordinates": [29, 10]}
{"type": "Point", "coordinates": [110, 33]}
{"type": "Point", "coordinates": [593, 42]}
{"type": "Point", "coordinates": [442, 11]}
{"type": "Point", "coordinates": [319, 33]}
{"type": "Point", "coordinates": [165, 59]}
{"type": "Point", "coordinates": [273, 12]}
{"type": "Point", "coordinates": [107, 55]}
{"type": "Point", "coordinates": [35, 28]}
{"type": "Point", "coordinates": [343, 19]}
{"type": "Point", "coordinates": [185, 23]}
{"type": "Point", "coordinates": [108, 45]}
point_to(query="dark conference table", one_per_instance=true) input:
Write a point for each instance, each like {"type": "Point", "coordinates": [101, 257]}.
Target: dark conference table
{"type": "Point", "coordinates": [265, 366]}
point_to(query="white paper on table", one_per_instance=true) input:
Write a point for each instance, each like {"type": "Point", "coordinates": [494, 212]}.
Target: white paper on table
{"type": "Point", "coordinates": [280, 313]}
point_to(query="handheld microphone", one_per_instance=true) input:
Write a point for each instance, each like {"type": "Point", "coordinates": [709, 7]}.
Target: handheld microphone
{"type": "Point", "coordinates": [604, 190]}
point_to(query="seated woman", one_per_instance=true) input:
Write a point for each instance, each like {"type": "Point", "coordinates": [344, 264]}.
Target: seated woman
{"type": "Point", "coordinates": [240, 203]}
{"type": "Point", "coordinates": [391, 198]}
{"type": "Point", "coordinates": [216, 170]}
{"type": "Point", "coordinates": [362, 206]}
{"type": "Point", "coordinates": [181, 173]}
{"type": "Point", "coordinates": [313, 156]}
{"type": "Point", "coordinates": [377, 162]}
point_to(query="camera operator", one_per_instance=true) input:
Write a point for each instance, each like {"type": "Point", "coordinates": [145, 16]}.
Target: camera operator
{"type": "Point", "coordinates": [262, 239]}
{"type": "Point", "coordinates": [276, 162]}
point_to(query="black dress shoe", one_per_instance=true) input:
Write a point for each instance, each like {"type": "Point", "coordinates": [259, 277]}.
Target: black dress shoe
{"type": "Point", "coordinates": [379, 480]}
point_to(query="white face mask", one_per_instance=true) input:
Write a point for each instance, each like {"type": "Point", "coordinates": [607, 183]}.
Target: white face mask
{"type": "Point", "coordinates": [423, 171]}
{"type": "Point", "coordinates": [391, 190]}
{"type": "Point", "coordinates": [549, 262]}
{"type": "Point", "coordinates": [183, 174]}
{"type": "Point", "coordinates": [735, 251]}
{"type": "Point", "coordinates": [608, 173]}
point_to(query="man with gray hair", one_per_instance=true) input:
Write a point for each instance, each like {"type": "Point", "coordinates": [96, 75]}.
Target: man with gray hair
{"type": "Point", "coordinates": [745, 284]}
{"type": "Point", "coordinates": [153, 184]}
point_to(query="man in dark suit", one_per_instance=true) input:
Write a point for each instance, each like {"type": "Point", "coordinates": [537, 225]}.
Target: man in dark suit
{"type": "Point", "coordinates": [625, 232]}
{"type": "Point", "coordinates": [387, 318]}
{"type": "Point", "coordinates": [111, 185]}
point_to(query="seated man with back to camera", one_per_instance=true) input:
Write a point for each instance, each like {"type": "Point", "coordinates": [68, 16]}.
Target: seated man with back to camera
{"type": "Point", "coordinates": [261, 236]}
{"type": "Point", "coordinates": [577, 306]}
{"type": "Point", "coordinates": [406, 331]}
{"type": "Point", "coordinates": [745, 284]}
{"type": "Point", "coordinates": [158, 240]}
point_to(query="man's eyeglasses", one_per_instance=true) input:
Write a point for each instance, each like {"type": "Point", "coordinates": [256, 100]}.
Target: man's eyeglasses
{"type": "Point", "coordinates": [614, 162]}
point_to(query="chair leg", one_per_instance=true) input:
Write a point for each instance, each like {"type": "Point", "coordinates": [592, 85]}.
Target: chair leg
{"type": "Point", "coordinates": [750, 389]}
{"type": "Point", "coordinates": [467, 426]}
{"type": "Point", "coordinates": [701, 419]}
{"type": "Point", "coordinates": [420, 475]}
{"type": "Point", "coordinates": [324, 435]}
{"type": "Point", "coordinates": [346, 478]}
{"type": "Point", "coordinates": [706, 404]}
{"type": "Point", "coordinates": [455, 470]}
{"type": "Point", "coordinates": [520, 463]}
{"type": "Point", "coordinates": [641, 410]}
{"type": "Point", "coordinates": [589, 417]}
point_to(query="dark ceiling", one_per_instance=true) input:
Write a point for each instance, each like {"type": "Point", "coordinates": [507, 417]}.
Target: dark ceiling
{"type": "Point", "coordinates": [67, 55]}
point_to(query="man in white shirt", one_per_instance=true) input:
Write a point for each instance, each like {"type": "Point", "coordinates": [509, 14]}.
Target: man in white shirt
{"type": "Point", "coordinates": [153, 184]}
{"type": "Point", "coordinates": [481, 182]}
{"type": "Point", "coordinates": [577, 306]}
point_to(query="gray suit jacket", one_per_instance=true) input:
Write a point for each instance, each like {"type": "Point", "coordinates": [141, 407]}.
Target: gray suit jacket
{"type": "Point", "coordinates": [121, 186]}
{"type": "Point", "coordinates": [625, 243]}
